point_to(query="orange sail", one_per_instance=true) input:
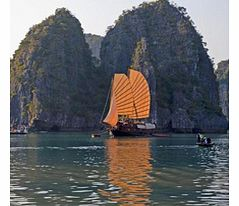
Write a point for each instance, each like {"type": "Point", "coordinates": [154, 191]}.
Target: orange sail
{"type": "Point", "coordinates": [121, 100]}
{"type": "Point", "coordinates": [112, 116]}
{"type": "Point", "coordinates": [130, 97]}
{"type": "Point", "coordinates": [141, 94]}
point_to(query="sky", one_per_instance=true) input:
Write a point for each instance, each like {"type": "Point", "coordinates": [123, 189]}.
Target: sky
{"type": "Point", "coordinates": [211, 18]}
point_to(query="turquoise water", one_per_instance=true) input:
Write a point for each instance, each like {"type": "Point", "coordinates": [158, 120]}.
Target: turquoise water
{"type": "Point", "coordinates": [74, 169]}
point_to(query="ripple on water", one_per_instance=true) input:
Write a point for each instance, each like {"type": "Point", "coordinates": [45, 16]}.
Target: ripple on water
{"type": "Point", "coordinates": [55, 148]}
{"type": "Point", "coordinates": [98, 183]}
{"type": "Point", "coordinates": [93, 176]}
{"type": "Point", "coordinates": [82, 191]}
{"type": "Point", "coordinates": [42, 192]}
{"type": "Point", "coordinates": [19, 200]}
{"type": "Point", "coordinates": [25, 148]}
{"type": "Point", "coordinates": [18, 188]}
{"type": "Point", "coordinates": [188, 182]}
{"type": "Point", "coordinates": [71, 197]}
{"type": "Point", "coordinates": [87, 147]}
{"type": "Point", "coordinates": [47, 197]}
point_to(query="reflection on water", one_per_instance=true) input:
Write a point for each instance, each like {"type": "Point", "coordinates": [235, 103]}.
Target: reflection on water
{"type": "Point", "coordinates": [129, 169]}
{"type": "Point", "coordinates": [73, 169]}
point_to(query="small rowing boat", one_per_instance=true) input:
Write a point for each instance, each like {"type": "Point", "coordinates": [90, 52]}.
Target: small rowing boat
{"type": "Point", "coordinates": [205, 144]}
{"type": "Point", "coordinates": [95, 135]}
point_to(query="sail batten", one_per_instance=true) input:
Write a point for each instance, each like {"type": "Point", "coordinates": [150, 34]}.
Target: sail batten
{"type": "Point", "coordinates": [118, 81]}
{"type": "Point", "coordinates": [139, 98]}
{"type": "Point", "coordinates": [141, 94]}
{"type": "Point", "coordinates": [130, 97]}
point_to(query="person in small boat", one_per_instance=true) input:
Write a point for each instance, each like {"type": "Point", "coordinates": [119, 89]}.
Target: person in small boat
{"type": "Point", "coordinates": [209, 140]}
{"type": "Point", "coordinates": [203, 139]}
{"type": "Point", "coordinates": [198, 138]}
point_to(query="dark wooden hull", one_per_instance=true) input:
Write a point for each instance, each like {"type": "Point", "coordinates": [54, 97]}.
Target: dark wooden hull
{"type": "Point", "coordinates": [117, 132]}
{"type": "Point", "coordinates": [205, 145]}
{"type": "Point", "coordinates": [138, 132]}
{"type": "Point", "coordinates": [133, 129]}
{"type": "Point", "coordinates": [18, 132]}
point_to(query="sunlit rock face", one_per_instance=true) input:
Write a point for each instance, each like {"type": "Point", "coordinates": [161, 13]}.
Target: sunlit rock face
{"type": "Point", "coordinates": [222, 74]}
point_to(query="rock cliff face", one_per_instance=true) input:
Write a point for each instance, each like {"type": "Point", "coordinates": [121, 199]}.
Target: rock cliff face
{"type": "Point", "coordinates": [222, 74]}
{"type": "Point", "coordinates": [53, 81]}
{"type": "Point", "coordinates": [160, 40]}
{"type": "Point", "coordinates": [142, 61]}
{"type": "Point", "coordinates": [94, 42]}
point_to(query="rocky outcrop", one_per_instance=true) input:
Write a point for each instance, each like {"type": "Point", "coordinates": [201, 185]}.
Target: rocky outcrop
{"type": "Point", "coordinates": [175, 62]}
{"type": "Point", "coordinates": [222, 74]}
{"type": "Point", "coordinates": [142, 62]}
{"type": "Point", "coordinates": [94, 42]}
{"type": "Point", "coordinates": [54, 84]}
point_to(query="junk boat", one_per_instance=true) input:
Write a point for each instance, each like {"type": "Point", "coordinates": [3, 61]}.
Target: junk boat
{"type": "Point", "coordinates": [129, 105]}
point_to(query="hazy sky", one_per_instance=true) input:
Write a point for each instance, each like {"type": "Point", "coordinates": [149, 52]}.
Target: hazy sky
{"type": "Point", "coordinates": [211, 18]}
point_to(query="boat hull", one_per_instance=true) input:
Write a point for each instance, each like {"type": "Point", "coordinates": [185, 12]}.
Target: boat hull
{"type": "Point", "coordinates": [18, 133]}
{"type": "Point", "coordinates": [137, 129]}
{"type": "Point", "coordinates": [205, 145]}
{"type": "Point", "coordinates": [117, 132]}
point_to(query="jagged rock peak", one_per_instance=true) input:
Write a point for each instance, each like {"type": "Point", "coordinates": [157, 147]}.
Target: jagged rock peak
{"type": "Point", "coordinates": [63, 12]}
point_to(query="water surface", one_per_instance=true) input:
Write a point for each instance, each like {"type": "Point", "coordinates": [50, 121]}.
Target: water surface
{"type": "Point", "coordinates": [74, 169]}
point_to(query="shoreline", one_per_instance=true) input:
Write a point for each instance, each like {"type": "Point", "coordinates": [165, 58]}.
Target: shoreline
{"type": "Point", "coordinates": [96, 131]}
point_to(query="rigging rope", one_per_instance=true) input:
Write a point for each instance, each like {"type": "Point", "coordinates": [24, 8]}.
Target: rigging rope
{"type": "Point", "coordinates": [107, 99]}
